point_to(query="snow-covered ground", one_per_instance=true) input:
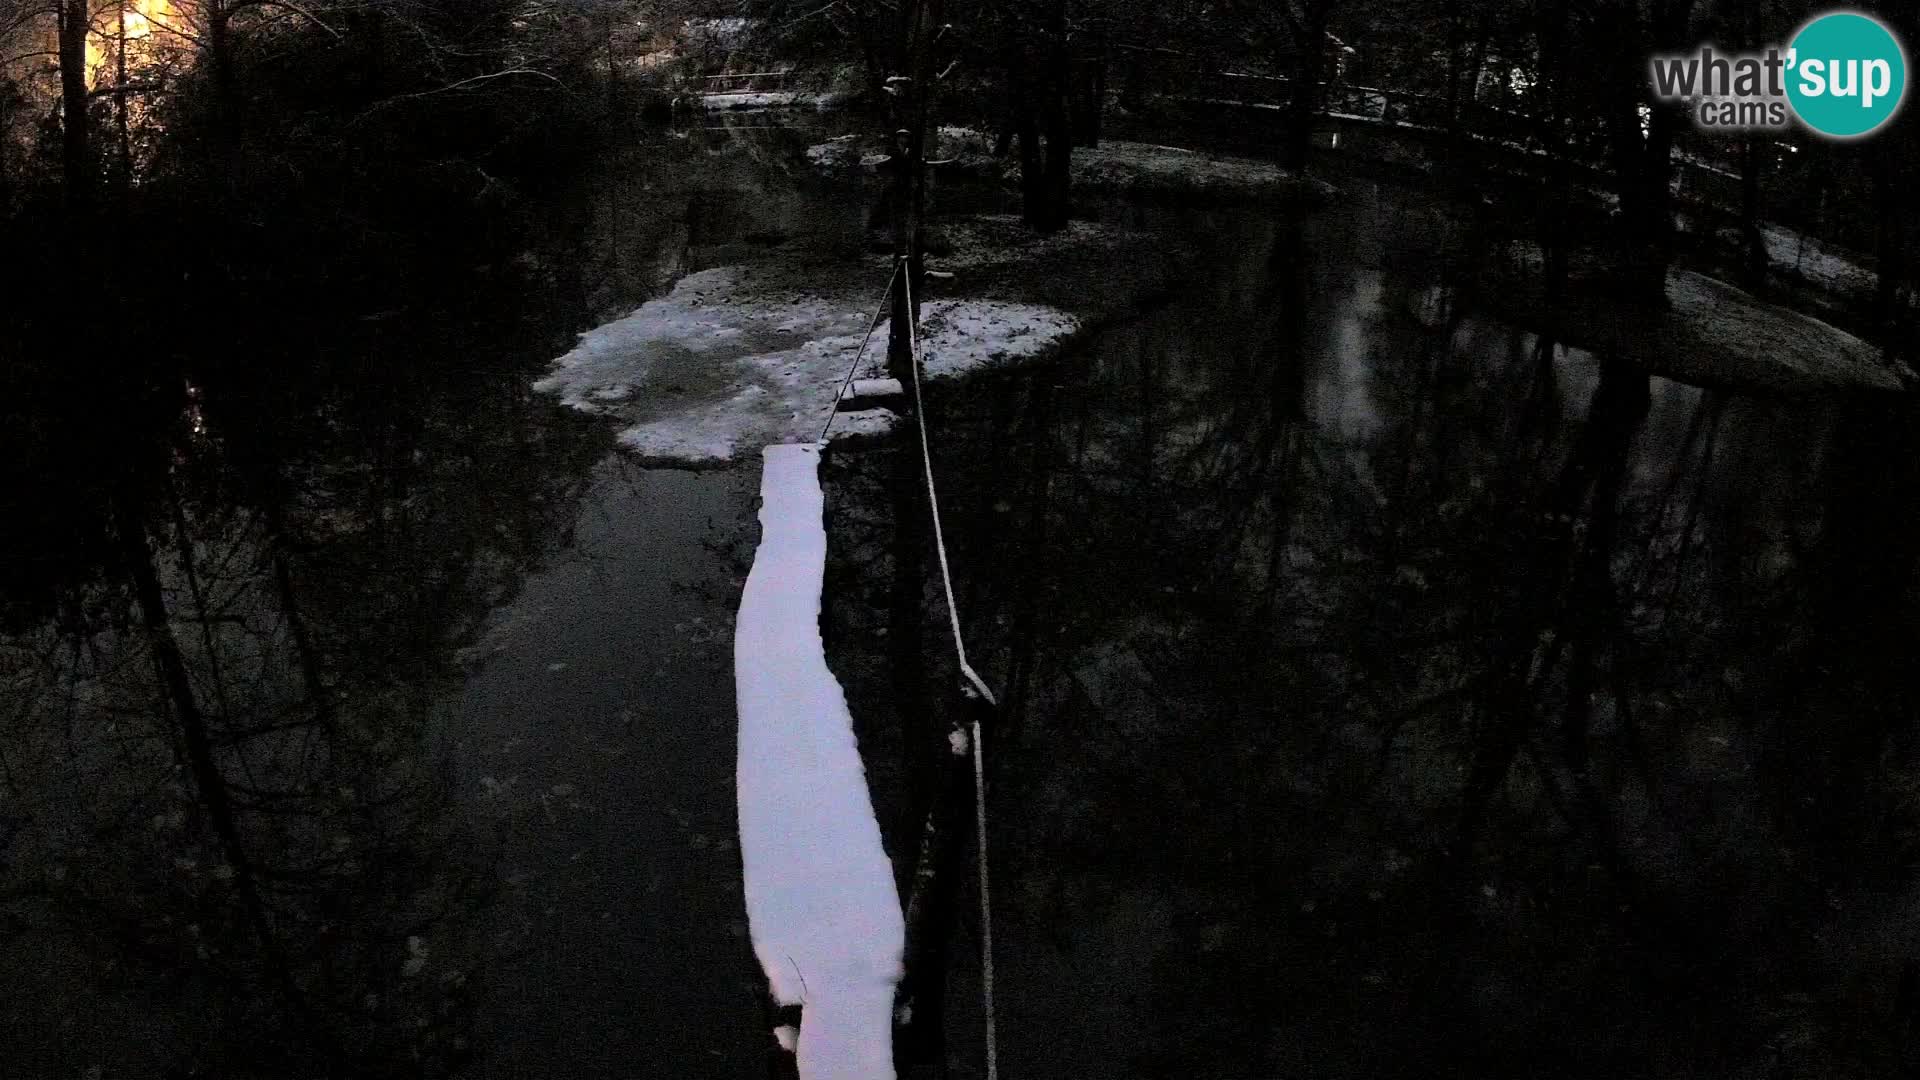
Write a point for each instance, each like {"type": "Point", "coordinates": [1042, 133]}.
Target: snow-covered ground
{"type": "Point", "coordinates": [841, 153]}
{"type": "Point", "coordinates": [774, 99]}
{"type": "Point", "coordinates": [747, 356]}
{"type": "Point", "coordinates": [1804, 256]}
{"type": "Point", "coordinates": [1145, 168]}
{"type": "Point", "coordinates": [822, 908]}
{"type": "Point", "coordinates": [1722, 334]}
{"type": "Point", "coordinates": [1796, 253]}
{"type": "Point", "coordinates": [1116, 166]}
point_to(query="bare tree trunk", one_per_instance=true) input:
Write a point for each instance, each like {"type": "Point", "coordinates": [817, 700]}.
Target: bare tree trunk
{"type": "Point", "coordinates": [1455, 47]}
{"type": "Point", "coordinates": [1045, 107]}
{"type": "Point", "coordinates": [136, 556]}
{"type": "Point", "coordinates": [1643, 159]}
{"type": "Point", "coordinates": [76, 152]}
{"type": "Point", "coordinates": [220, 60]}
{"type": "Point", "coordinates": [1097, 110]}
{"type": "Point", "coordinates": [1640, 270]}
{"type": "Point", "coordinates": [1309, 69]}
{"type": "Point", "coordinates": [1087, 97]}
{"type": "Point", "coordinates": [1477, 62]}
{"type": "Point", "coordinates": [317, 695]}
{"type": "Point", "coordinates": [120, 96]}
{"type": "Point", "coordinates": [1752, 168]}
{"type": "Point", "coordinates": [1556, 135]}
{"type": "Point", "coordinates": [1591, 477]}
{"type": "Point", "coordinates": [924, 965]}
{"type": "Point", "coordinates": [1033, 188]}
{"type": "Point", "coordinates": [6, 124]}
{"type": "Point", "coordinates": [909, 141]}
{"type": "Point", "coordinates": [184, 539]}
{"type": "Point", "coordinates": [1058, 184]}
{"type": "Point", "coordinates": [932, 904]}
{"type": "Point", "coordinates": [1890, 315]}
{"type": "Point", "coordinates": [1754, 259]}
{"type": "Point", "coordinates": [1593, 605]}
{"type": "Point", "coordinates": [137, 560]}
{"type": "Point", "coordinates": [613, 73]}
{"type": "Point", "coordinates": [1504, 716]}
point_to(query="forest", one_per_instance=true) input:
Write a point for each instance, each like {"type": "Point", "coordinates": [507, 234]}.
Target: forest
{"type": "Point", "coordinates": [926, 538]}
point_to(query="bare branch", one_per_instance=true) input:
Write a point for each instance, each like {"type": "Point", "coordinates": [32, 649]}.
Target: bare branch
{"type": "Point", "coordinates": [290, 6]}
{"type": "Point", "coordinates": [458, 85]}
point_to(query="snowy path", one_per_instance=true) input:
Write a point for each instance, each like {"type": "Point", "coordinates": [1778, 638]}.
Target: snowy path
{"type": "Point", "coordinates": [821, 902]}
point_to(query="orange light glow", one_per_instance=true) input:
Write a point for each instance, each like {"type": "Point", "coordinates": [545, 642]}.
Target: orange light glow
{"type": "Point", "coordinates": [140, 20]}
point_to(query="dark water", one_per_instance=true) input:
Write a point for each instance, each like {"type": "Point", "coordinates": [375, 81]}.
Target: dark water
{"type": "Point", "coordinates": [1390, 696]}
{"type": "Point", "coordinates": [596, 741]}
{"type": "Point", "coordinates": [465, 804]}
{"type": "Point", "coordinates": [1289, 585]}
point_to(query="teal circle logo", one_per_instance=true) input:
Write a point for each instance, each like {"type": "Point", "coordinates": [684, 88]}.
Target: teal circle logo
{"type": "Point", "coordinates": [1846, 74]}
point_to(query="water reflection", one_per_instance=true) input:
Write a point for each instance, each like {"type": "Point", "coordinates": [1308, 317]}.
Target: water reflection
{"type": "Point", "coordinates": [227, 825]}
{"type": "Point", "coordinates": [362, 716]}
{"type": "Point", "coordinates": [1385, 663]}
{"type": "Point", "coordinates": [1472, 697]}
{"type": "Point", "coordinates": [594, 744]}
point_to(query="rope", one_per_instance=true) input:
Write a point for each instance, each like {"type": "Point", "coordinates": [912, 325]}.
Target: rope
{"type": "Point", "coordinates": [978, 684]}
{"type": "Point", "coordinates": [986, 902]}
{"type": "Point", "coordinates": [933, 503]}
{"type": "Point", "coordinates": [878, 314]}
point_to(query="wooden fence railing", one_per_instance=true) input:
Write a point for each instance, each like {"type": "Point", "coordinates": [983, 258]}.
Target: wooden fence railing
{"type": "Point", "coordinates": [1482, 121]}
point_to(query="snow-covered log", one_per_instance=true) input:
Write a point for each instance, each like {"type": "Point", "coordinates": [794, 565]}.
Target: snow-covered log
{"type": "Point", "coordinates": [865, 393]}
{"type": "Point", "coordinates": [821, 903]}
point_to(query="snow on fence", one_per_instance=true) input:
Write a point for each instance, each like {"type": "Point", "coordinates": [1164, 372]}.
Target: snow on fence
{"type": "Point", "coordinates": [822, 908]}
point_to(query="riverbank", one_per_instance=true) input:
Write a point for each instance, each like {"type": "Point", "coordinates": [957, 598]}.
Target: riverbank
{"type": "Point", "coordinates": [1710, 333]}
{"type": "Point", "coordinates": [1114, 168]}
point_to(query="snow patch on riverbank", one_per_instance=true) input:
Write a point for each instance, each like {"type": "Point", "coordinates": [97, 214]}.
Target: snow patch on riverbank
{"type": "Point", "coordinates": [1804, 255]}
{"type": "Point", "coordinates": [747, 356]}
{"type": "Point", "coordinates": [822, 908]}
{"type": "Point", "coordinates": [1787, 348]}
{"type": "Point", "coordinates": [965, 335]}
{"type": "Point", "coordinates": [774, 99]}
{"type": "Point", "coordinates": [1115, 167]}
{"type": "Point", "coordinates": [1130, 168]}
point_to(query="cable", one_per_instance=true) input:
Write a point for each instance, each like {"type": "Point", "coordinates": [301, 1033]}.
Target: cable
{"type": "Point", "coordinates": [933, 504]}
{"type": "Point", "coordinates": [986, 901]}
{"type": "Point", "coordinates": [979, 686]}
{"type": "Point", "coordinates": [860, 354]}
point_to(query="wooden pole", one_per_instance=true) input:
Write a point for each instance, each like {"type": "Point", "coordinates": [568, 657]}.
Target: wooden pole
{"type": "Point", "coordinates": [933, 896]}
{"type": "Point", "coordinates": [943, 769]}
